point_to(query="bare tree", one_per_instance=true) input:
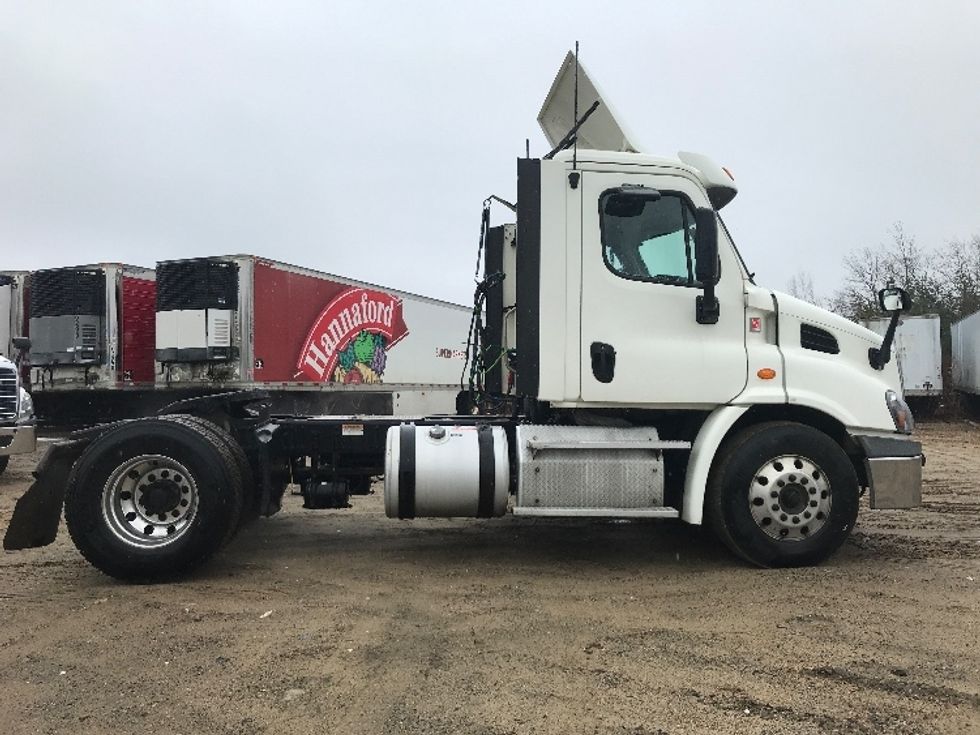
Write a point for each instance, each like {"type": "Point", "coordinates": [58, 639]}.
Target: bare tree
{"type": "Point", "coordinates": [959, 266]}
{"type": "Point", "coordinates": [801, 286]}
{"type": "Point", "coordinates": [900, 262]}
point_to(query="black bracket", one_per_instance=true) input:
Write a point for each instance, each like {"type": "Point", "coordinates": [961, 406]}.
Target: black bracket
{"type": "Point", "coordinates": [707, 309]}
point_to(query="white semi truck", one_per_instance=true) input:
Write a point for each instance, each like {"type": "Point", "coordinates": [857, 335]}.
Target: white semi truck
{"type": "Point", "coordinates": [16, 407]}
{"type": "Point", "coordinates": [623, 364]}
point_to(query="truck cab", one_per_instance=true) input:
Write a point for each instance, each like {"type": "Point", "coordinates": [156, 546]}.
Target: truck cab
{"type": "Point", "coordinates": [624, 303]}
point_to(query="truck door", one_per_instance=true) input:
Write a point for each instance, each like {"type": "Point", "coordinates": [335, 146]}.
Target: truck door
{"type": "Point", "coordinates": [641, 342]}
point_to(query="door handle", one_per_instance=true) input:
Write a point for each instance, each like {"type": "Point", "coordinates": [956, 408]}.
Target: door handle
{"type": "Point", "coordinates": [603, 361]}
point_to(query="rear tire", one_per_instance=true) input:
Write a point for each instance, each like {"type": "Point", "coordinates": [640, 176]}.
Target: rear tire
{"type": "Point", "coordinates": [154, 498]}
{"type": "Point", "coordinates": [4, 461]}
{"type": "Point", "coordinates": [250, 498]}
{"type": "Point", "coordinates": [782, 494]}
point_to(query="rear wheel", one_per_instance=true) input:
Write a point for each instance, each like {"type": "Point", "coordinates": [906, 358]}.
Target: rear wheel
{"type": "Point", "coordinates": [782, 494]}
{"type": "Point", "coordinates": [4, 461]}
{"type": "Point", "coordinates": [154, 498]}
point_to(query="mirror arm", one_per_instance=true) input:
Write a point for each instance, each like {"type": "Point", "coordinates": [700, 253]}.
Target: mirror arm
{"type": "Point", "coordinates": [880, 356]}
{"type": "Point", "coordinates": [707, 307]}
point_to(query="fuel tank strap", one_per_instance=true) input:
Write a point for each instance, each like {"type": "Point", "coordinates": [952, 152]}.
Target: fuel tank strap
{"type": "Point", "coordinates": [406, 471]}
{"type": "Point", "coordinates": [484, 440]}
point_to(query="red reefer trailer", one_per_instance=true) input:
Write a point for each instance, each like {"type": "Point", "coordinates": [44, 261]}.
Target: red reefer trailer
{"type": "Point", "coordinates": [320, 343]}
{"type": "Point", "coordinates": [92, 340]}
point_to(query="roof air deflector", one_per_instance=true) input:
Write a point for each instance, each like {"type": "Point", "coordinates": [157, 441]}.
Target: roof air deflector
{"type": "Point", "coordinates": [601, 132]}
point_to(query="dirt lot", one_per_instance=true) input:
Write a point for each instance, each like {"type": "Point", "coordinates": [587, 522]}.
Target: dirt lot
{"type": "Point", "coordinates": [346, 622]}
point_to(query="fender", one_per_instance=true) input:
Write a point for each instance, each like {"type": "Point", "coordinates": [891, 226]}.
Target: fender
{"type": "Point", "coordinates": [710, 437]}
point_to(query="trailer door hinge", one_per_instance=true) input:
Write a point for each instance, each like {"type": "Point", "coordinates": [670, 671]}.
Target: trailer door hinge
{"type": "Point", "coordinates": [573, 178]}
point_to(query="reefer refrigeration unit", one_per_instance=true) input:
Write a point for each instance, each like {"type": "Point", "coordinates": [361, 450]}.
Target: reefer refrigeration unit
{"type": "Point", "coordinates": [965, 336]}
{"type": "Point", "coordinates": [13, 310]}
{"type": "Point", "coordinates": [918, 351]}
{"type": "Point", "coordinates": [320, 343]}
{"type": "Point", "coordinates": [91, 330]}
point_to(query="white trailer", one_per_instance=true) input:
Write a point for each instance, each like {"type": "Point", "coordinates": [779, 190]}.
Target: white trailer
{"type": "Point", "coordinates": [965, 336]}
{"type": "Point", "coordinates": [918, 352]}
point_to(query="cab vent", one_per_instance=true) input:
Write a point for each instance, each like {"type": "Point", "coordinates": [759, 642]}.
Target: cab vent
{"type": "Point", "coordinates": [817, 339]}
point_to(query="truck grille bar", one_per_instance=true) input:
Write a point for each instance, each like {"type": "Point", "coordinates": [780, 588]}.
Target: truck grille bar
{"type": "Point", "coordinates": [8, 394]}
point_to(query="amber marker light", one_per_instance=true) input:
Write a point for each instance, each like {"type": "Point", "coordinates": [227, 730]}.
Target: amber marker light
{"type": "Point", "coordinates": [766, 374]}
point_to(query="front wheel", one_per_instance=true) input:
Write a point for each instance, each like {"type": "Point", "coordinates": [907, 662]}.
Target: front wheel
{"type": "Point", "coordinates": [782, 494]}
{"type": "Point", "coordinates": [154, 498]}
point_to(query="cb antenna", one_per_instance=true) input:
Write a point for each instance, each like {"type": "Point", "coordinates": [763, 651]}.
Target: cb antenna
{"type": "Point", "coordinates": [575, 112]}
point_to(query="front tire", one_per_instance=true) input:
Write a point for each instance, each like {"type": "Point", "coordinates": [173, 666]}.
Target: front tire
{"type": "Point", "coordinates": [154, 498]}
{"type": "Point", "coordinates": [782, 494]}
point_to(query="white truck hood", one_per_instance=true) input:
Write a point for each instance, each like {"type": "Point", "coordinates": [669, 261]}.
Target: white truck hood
{"type": "Point", "coordinates": [813, 314]}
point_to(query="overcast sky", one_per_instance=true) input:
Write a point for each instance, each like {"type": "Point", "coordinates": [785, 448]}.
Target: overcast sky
{"type": "Point", "coordinates": [361, 138]}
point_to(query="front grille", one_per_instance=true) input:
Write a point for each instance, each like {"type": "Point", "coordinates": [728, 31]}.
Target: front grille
{"type": "Point", "coordinates": [197, 284]}
{"type": "Point", "coordinates": [8, 394]}
{"type": "Point", "coordinates": [65, 291]}
{"type": "Point", "coordinates": [820, 340]}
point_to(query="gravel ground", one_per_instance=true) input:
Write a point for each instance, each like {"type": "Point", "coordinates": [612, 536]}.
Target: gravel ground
{"type": "Point", "coordinates": [347, 622]}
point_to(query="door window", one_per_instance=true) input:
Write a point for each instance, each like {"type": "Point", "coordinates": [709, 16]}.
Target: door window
{"type": "Point", "coordinates": [646, 239]}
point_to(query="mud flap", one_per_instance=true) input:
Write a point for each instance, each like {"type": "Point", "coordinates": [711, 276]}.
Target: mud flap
{"type": "Point", "coordinates": [38, 512]}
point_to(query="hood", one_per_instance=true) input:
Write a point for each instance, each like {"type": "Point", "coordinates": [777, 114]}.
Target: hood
{"type": "Point", "coordinates": [813, 314]}
{"type": "Point", "coordinates": [602, 131]}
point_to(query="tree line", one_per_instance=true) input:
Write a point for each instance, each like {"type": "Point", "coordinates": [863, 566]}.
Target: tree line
{"type": "Point", "coordinates": [944, 280]}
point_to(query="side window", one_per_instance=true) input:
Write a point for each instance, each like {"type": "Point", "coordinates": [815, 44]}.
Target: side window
{"type": "Point", "coordinates": [648, 240]}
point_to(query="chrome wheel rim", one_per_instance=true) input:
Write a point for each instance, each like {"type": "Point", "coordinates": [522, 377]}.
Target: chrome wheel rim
{"type": "Point", "coordinates": [790, 498]}
{"type": "Point", "coordinates": [150, 501]}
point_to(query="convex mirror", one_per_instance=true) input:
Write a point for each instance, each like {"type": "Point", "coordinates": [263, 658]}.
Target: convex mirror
{"type": "Point", "coordinates": [893, 298]}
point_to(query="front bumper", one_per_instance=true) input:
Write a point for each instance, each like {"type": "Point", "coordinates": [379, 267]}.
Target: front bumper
{"type": "Point", "coordinates": [893, 466]}
{"type": "Point", "coordinates": [20, 439]}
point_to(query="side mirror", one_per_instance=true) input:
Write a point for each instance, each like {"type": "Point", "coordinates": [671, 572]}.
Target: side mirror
{"type": "Point", "coordinates": [893, 299]}
{"type": "Point", "coordinates": [706, 246]}
{"type": "Point", "coordinates": [21, 343]}
{"type": "Point", "coordinates": [706, 267]}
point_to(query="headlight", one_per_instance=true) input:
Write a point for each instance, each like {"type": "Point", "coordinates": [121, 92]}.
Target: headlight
{"type": "Point", "coordinates": [26, 412]}
{"type": "Point", "coordinates": [900, 411]}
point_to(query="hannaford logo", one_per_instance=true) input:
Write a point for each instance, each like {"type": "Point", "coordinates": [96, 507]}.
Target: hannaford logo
{"type": "Point", "coordinates": [349, 341]}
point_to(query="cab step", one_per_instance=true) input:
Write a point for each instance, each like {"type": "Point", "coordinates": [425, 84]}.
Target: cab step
{"type": "Point", "coordinates": [660, 512]}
